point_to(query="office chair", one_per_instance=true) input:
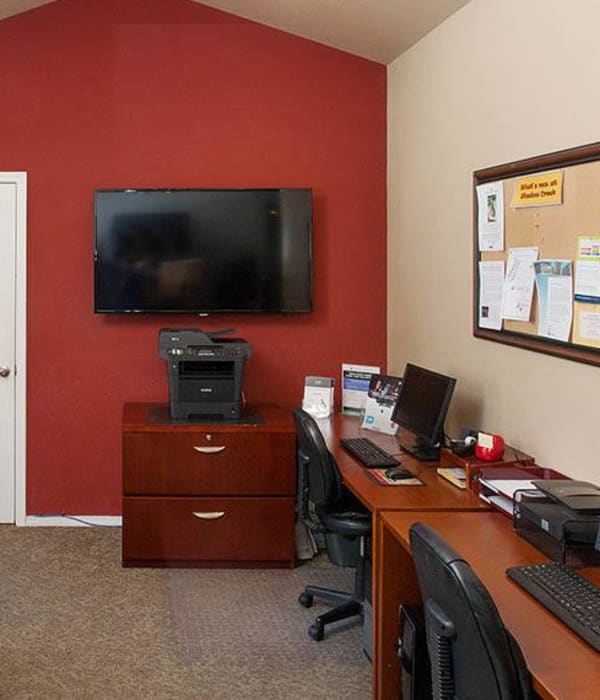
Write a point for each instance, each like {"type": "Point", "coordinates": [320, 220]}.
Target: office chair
{"type": "Point", "coordinates": [338, 511]}
{"type": "Point", "coordinates": [473, 656]}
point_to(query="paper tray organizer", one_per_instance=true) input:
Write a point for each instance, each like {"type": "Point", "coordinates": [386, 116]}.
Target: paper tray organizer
{"type": "Point", "coordinates": [473, 466]}
{"type": "Point", "coordinates": [559, 532]}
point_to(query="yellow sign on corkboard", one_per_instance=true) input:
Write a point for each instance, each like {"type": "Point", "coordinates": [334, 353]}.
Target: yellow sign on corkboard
{"type": "Point", "coordinates": [538, 190]}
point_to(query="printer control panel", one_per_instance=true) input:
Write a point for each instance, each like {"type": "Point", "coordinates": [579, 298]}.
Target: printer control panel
{"type": "Point", "coordinates": [190, 344]}
{"type": "Point", "coordinates": [217, 351]}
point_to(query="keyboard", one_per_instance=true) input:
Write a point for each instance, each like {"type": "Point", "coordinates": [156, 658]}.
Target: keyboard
{"type": "Point", "coordinates": [367, 452]}
{"type": "Point", "coordinates": [566, 594]}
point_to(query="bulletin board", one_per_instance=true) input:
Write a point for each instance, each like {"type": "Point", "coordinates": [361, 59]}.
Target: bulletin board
{"type": "Point", "coordinates": [550, 203]}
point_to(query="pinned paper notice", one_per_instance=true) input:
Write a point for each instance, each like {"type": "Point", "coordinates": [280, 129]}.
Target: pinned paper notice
{"type": "Point", "coordinates": [491, 282]}
{"type": "Point", "coordinates": [518, 283]}
{"type": "Point", "coordinates": [538, 190]}
{"type": "Point", "coordinates": [490, 216]}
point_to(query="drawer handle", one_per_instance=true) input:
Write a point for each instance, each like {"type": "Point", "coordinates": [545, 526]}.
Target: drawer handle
{"type": "Point", "coordinates": [209, 516]}
{"type": "Point", "coordinates": [209, 450]}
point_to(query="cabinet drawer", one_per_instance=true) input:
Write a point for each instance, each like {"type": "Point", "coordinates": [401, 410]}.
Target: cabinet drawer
{"type": "Point", "coordinates": [205, 463]}
{"type": "Point", "coordinates": [208, 532]}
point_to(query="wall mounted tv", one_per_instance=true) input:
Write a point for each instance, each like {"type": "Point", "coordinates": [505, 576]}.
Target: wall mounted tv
{"type": "Point", "coordinates": [203, 251]}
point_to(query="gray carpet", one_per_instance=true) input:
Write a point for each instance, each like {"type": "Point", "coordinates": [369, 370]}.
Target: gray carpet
{"type": "Point", "coordinates": [74, 624]}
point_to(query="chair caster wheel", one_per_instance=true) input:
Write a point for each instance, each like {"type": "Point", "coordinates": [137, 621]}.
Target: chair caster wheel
{"type": "Point", "coordinates": [316, 632]}
{"type": "Point", "coordinates": [306, 600]}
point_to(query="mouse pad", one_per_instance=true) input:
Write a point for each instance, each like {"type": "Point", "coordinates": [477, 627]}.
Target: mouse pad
{"type": "Point", "coordinates": [379, 476]}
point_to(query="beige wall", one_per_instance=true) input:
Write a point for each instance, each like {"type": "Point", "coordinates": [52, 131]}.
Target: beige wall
{"type": "Point", "coordinates": [498, 81]}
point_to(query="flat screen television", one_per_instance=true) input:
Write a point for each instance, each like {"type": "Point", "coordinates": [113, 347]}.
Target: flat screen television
{"type": "Point", "coordinates": [203, 251]}
{"type": "Point", "coordinates": [421, 408]}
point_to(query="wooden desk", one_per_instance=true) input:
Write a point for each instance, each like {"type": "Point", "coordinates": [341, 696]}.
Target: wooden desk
{"type": "Point", "coordinates": [562, 665]}
{"type": "Point", "coordinates": [437, 494]}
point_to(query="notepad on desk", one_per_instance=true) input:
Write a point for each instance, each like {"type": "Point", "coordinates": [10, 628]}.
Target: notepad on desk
{"type": "Point", "coordinates": [455, 475]}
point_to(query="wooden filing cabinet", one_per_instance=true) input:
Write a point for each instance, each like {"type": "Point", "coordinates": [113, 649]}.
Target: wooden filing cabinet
{"type": "Point", "coordinates": [208, 495]}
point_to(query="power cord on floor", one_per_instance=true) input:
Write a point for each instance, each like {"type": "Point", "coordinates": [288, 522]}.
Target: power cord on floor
{"type": "Point", "coordinates": [73, 517]}
{"type": "Point", "coordinates": [86, 522]}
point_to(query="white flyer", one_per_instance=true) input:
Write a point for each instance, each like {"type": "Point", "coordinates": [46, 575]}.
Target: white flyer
{"type": "Point", "coordinates": [491, 283]}
{"type": "Point", "coordinates": [554, 282]}
{"type": "Point", "coordinates": [589, 325]}
{"type": "Point", "coordinates": [518, 284]}
{"type": "Point", "coordinates": [490, 216]}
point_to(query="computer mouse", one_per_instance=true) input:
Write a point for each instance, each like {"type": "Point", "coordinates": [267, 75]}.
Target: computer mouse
{"type": "Point", "coordinates": [397, 474]}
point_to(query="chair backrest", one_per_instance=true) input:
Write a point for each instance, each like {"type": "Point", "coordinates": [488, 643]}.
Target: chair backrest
{"type": "Point", "coordinates": [472, 654]}
{"type": "Point", "coordinates": [324, 482]}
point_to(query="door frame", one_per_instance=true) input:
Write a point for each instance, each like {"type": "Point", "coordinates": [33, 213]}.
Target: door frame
{"type": "Point", "coordinates": [19, 179]}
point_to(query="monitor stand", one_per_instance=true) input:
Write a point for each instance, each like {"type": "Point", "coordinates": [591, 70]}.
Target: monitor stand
{"type": "Point", "coordinates": [423, 451]}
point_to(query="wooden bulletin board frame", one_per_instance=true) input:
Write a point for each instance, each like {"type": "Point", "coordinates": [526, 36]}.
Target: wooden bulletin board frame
{"type": "Point", "coordinates": [554, 229]}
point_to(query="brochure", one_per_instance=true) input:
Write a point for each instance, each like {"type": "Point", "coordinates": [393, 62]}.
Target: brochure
{"type": "Point", "coordinates": [355, 386]}
{"type": "Point", "coordinates": [379, 405]}
{"type": "Point", "coordinates": [318, 396]}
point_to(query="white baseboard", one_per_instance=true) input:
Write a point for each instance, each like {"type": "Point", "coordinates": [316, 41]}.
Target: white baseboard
{"type": "Point", "coordinates": [73, 521]}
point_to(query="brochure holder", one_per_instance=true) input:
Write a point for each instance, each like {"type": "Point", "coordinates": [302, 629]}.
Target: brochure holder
{"type": "Point", "coordinates": [318, 396]}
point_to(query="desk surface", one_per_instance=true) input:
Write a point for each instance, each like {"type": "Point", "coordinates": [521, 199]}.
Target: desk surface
{"type": "Point", "coordinates": [562, 665]}
{"type": "Point", "coordinates": [437, 494]}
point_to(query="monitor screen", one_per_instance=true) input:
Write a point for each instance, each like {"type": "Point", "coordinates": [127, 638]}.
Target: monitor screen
{"type": "Point", "coordinates": [203, 251]}
{"type": "Point", "coordinates": [421, 408]}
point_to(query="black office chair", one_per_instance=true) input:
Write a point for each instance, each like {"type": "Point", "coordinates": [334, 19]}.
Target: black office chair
{"type": "Point", "coordinates": [338, 511]}
{"type": "Point", "coordinates": [473, 656]}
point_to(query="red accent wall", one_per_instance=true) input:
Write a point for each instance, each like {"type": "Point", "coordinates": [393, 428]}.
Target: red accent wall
{"type": "Point", "coordinates": [169, 93]}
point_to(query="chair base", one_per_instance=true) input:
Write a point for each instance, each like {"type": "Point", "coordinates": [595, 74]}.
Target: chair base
{"type": "Point", "coordinates": [349, 606]}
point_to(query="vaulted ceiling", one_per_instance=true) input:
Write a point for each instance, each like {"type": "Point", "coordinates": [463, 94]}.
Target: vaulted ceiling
{"type": "Point", "coordinates": [379, 30]}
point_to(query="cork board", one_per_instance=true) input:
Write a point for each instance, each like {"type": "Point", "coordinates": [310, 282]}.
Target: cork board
{"type": "Point", "coordinates": [555, 230]}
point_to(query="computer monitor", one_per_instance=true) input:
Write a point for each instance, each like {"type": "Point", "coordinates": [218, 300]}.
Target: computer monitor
{"type": "Point", "coordinates": [421, 408]}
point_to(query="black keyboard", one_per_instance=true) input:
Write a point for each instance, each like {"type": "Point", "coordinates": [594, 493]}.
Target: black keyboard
{"type": "Point", "coordinates": [569, 596]}
{"type": "Point", "coordinates": [367, 452]}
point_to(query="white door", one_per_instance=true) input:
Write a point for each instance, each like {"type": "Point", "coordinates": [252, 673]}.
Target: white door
{"type": "Point", "coordinates": [12, 337]}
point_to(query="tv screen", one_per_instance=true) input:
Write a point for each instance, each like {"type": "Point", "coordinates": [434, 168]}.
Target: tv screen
{"type": "Point", "coordinates": [203, 251]}
{"type": "Point", "coordinates": [421, 408]}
